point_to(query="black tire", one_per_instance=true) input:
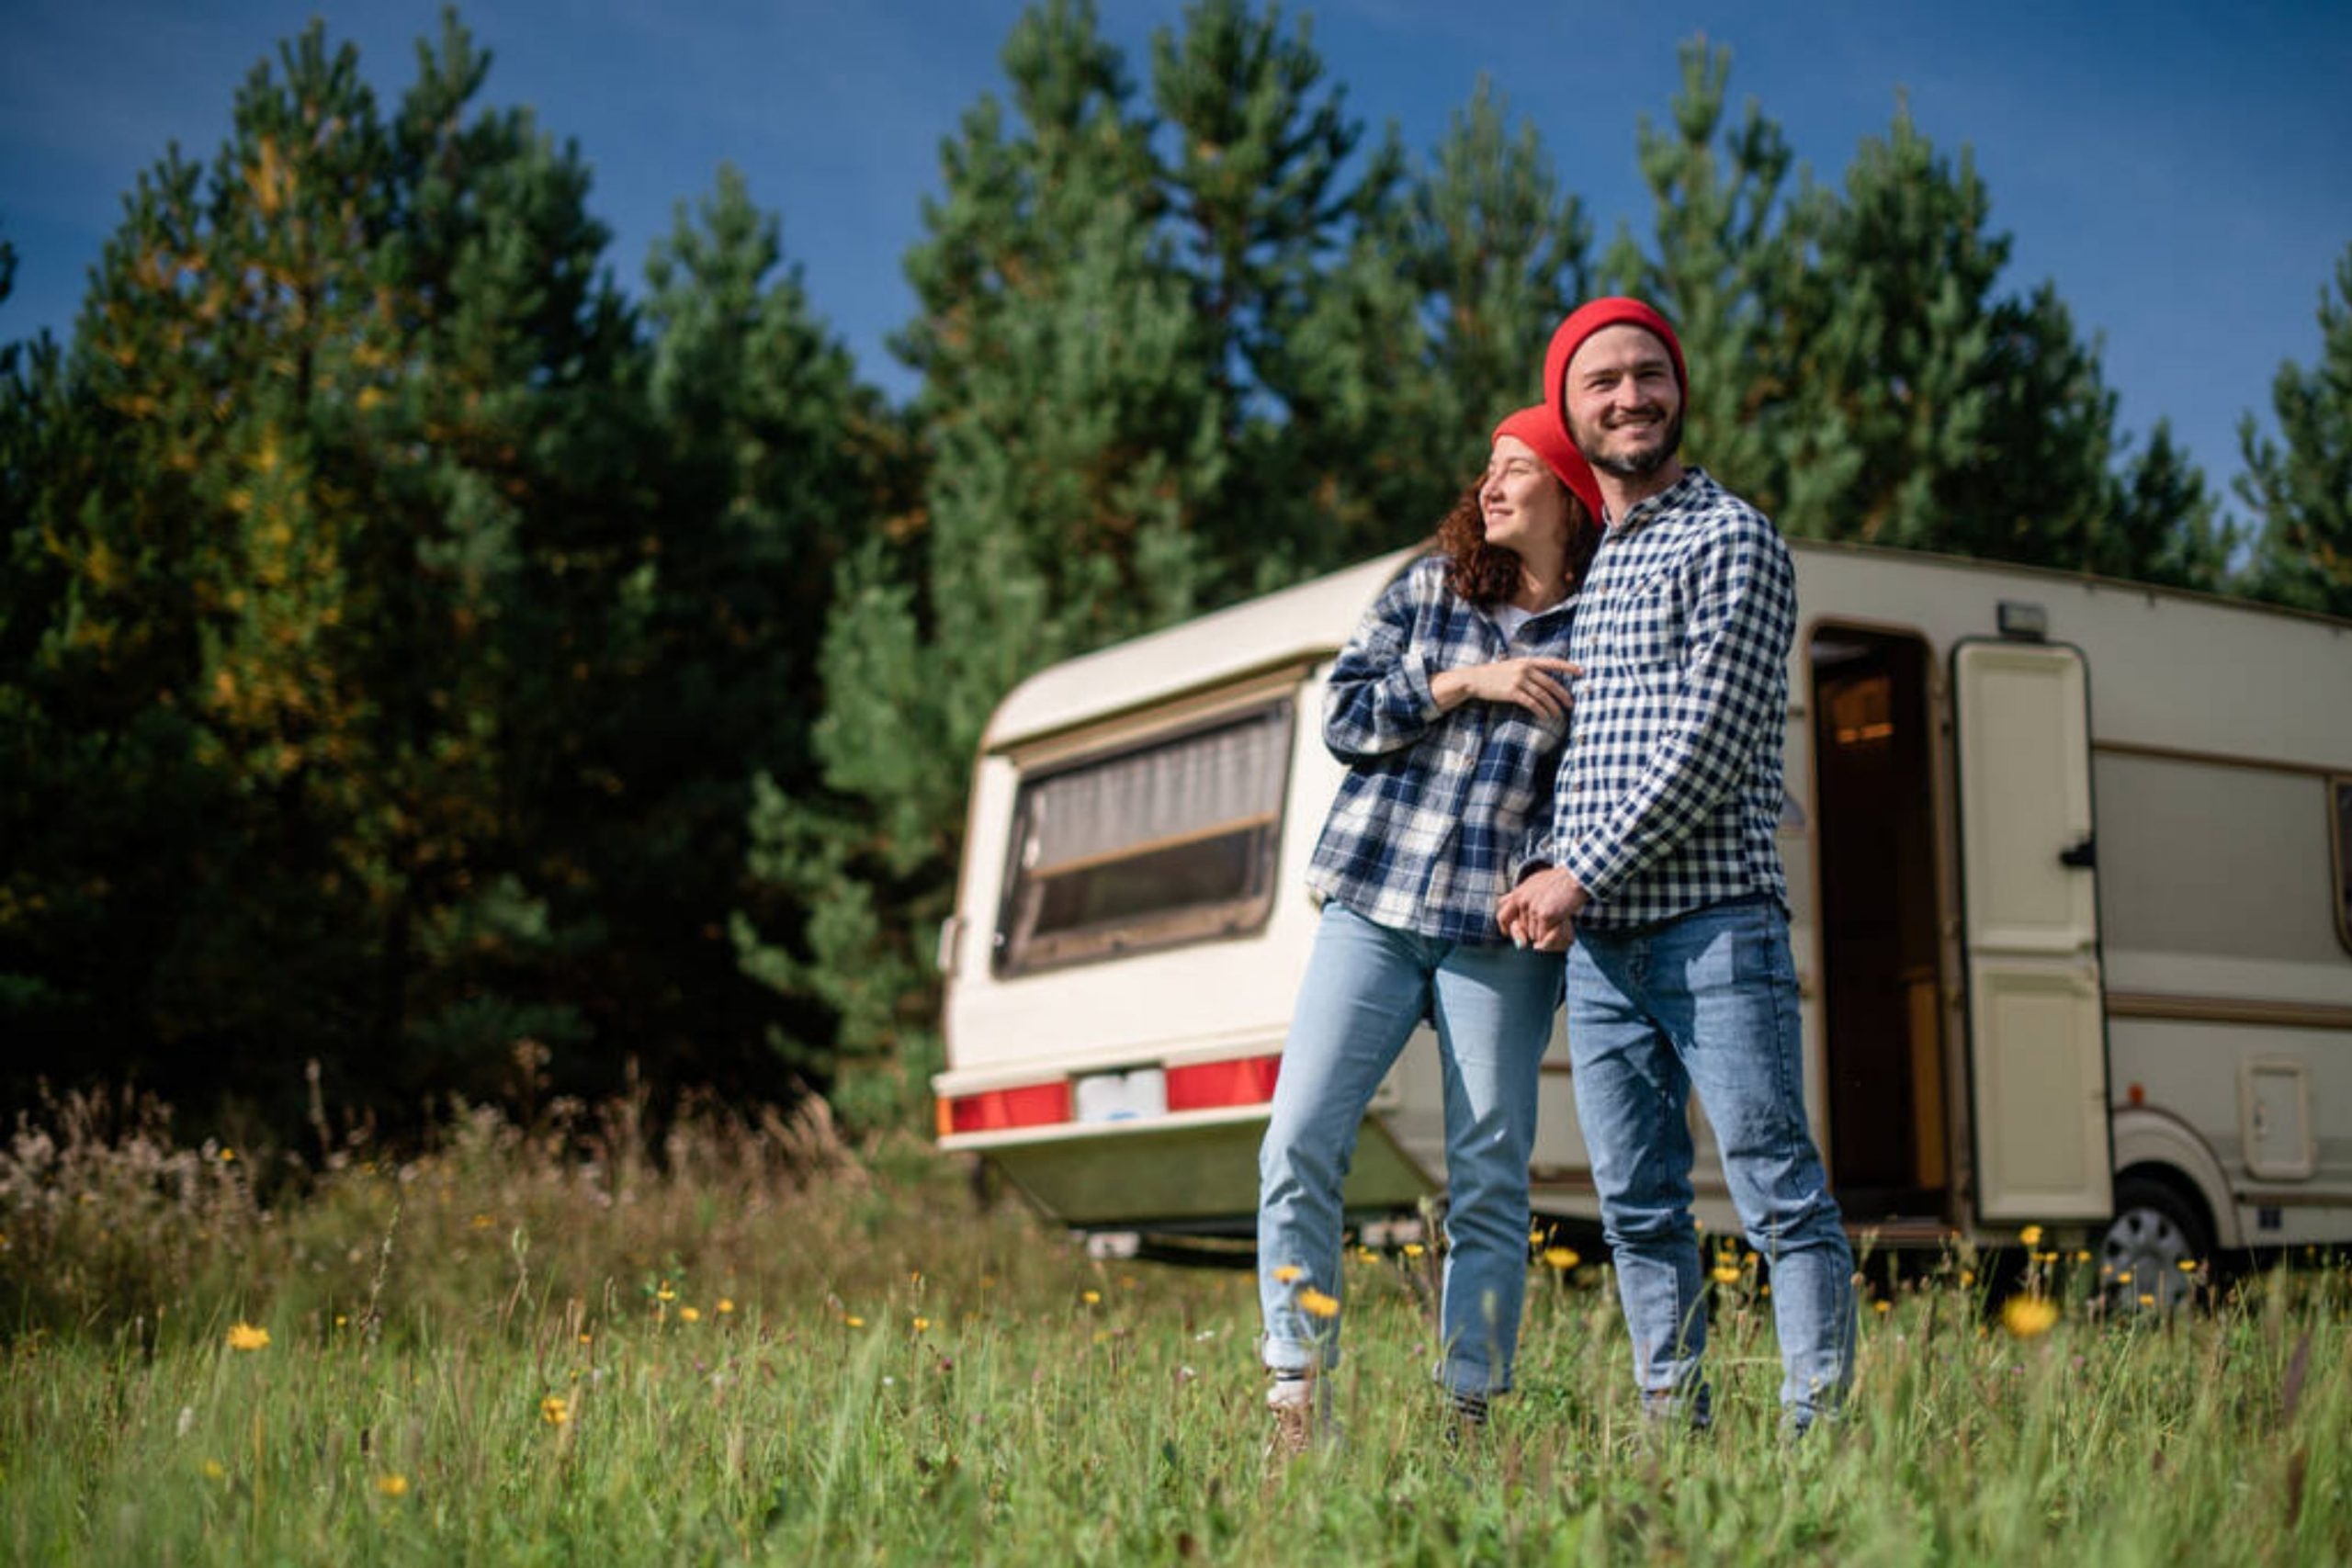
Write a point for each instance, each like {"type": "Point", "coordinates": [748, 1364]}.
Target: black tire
{"type": "Point", "coordinates": [2157, 1229]}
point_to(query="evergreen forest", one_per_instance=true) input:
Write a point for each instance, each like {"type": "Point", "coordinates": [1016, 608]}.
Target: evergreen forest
{"type": "Point", "coordinates": [430, 668]}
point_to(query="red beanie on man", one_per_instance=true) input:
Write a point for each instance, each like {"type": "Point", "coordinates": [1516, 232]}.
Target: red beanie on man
{"type": "Point", "coordinates": [1540, 428]}
{"type": "Point", "coordinates": [1588, 319]}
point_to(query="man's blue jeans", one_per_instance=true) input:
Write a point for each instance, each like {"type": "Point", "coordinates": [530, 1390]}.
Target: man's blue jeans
{"type": "Point", "coordinates": [1366, 987]}
{"type": "Point", "coordinates": [1708, 1001]}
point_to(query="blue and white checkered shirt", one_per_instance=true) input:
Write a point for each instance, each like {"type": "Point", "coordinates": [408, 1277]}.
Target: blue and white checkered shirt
{"type": "Point", "coordinates": [1672, 791]}
{"type": "Point", "coordinates": [1436, 807]}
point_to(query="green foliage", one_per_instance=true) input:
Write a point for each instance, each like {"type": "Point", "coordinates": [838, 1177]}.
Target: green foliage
{"type": "Point", "coordinates": [395, 634]}
{"type": "Point", "coordinates": [2301, 486]}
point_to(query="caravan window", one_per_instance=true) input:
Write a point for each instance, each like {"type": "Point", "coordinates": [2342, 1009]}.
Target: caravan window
{"type": "Point", "coordinates": [1167, 841]}
{"type": "Point", "coordinates": [2340, 792]}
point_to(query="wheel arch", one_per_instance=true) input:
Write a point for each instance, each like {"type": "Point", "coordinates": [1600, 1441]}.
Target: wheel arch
{"type": "Point", "coordinates": [2167, 1148]}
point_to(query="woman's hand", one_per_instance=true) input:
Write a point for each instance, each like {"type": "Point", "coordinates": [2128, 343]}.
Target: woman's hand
{"type": "Point", "coordinates": [1535, 684]}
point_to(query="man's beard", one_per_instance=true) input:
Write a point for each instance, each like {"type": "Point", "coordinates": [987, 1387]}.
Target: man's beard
{"type": "Point", "coordinates": [1639, 466]}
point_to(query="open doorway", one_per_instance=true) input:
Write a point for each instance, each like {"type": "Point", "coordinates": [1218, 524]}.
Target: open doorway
{"type": "Point", "coordinates": [1875, 832]}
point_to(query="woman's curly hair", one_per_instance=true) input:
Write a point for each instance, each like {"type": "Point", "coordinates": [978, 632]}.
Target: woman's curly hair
{"type": "Point", "coordinates": [1487, 574]}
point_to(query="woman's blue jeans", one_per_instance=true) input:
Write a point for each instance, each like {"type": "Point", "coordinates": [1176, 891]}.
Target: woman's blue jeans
{"type": "Point", "coordinates": [1366, 987]}
{"type": "Point", "coordinates": [1707, 1001]}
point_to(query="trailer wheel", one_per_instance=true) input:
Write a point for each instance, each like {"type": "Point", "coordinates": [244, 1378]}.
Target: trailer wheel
{"type": "Point", "coordinates": [2156, 1238]}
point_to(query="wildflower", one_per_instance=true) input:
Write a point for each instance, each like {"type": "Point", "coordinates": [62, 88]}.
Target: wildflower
{"type": "Point", "coordinates": [2189, 1266]}
{"type": "Point", "coordinates": [726, 1305]}
{"type": "Point", "coordinates": [922, 1325]}
{"type": "Point", "coordinates": [2082, 1255]}
{"type": "Point", "coordinates": [1414, 1249]}
{"type": "Point", "coordinates": [666, 1294]}
{"type": "Point", "coordinates": [555, 1410]}
{"type": "Point", "coordinates": [213, 1470]}
{"type": "Point", "coordinates": [1092, 1298]}
{"type": "Point", "coordinates": [1882, 1307]}
{"type": "Point", "coordinates": [246, 1337]}
{"type": "Point", "coordinates": [2026, 1316]}
{"type": "Point", "coordinates": [483, 1221]}
{"type": "Point", "coordinates": [1561, 1258]}
{"type": "Point", "coordinates": [393, 1484]}
{"type": "Point", "coordinates": [1316, 1304]}
{"type": "Point", "coordinates": [586, 1338]}
{"type": "Point", "coordinates": [2029, 1237]}
{"type": "Point", "coordinates": [689, 1315]}
{"type": "Point", "coordinates": [1725, 1272]}
{"type": "Point", "coordinates": [853, 1321]}
{"type": "Point", "coordinates": [1289, 1273]}
{"type": "Point", "coordinates": [340, 1319]}
{"type": "Point", "coordinates": [1967, 1278]}
{"type": "Point", "coordinates": [228, 1156]}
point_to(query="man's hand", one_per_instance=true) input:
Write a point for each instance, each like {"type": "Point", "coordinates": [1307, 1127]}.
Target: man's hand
{"type": "Point", "coordinates": [1535, 682]}
{"type": "Point", "coordinates": [1542, 911]}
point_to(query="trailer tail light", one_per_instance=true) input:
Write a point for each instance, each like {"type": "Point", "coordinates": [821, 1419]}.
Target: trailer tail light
{"type": "Point", "coordinates": [1209, 1086]}
{"type": "Point", "coordinates": [1033, 1105]}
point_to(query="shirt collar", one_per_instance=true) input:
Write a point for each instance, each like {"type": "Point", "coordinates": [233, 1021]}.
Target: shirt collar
{"type": "Point", "coordinates": [1682, 489]}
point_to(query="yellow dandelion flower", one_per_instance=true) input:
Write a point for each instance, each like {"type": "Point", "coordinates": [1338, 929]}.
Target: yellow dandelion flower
{"type": "Point", "coordinates": [586, 1338]}
{"type": "Point", "coordinates": [2147, 1300]}
{"type": "Point", "coordinates": [214, 1471]}
{"type": "Point", "coordinates": [2029, 1237]}
{"type": "Point", "coordinates": [922, 1325]}
{"type": "Point", "coordinates": [340, 1319]}
{"type": "Point", "coordinates": [2026, 1316]}
{"type": "Point", "coordinates": [1561, 1257]}
{"type": "Point", "coordinates": [853, 1321]}
{"type": "Point", "coordinates": [1726, 1273]}
{"type": "Point", "coordinates": [1092, 1298]}
{"type": "Point", "coordinates": [1316, 1304]}
{"type": "Point", "coordinates": [1414, 1249]}
{"type": "Point", "coordinates": [2082, 1255]}
{"type": "Point", "coordinates": [246, 1337]}
{"type": "Point", "coordinates": [666, 1294]}
{"type": "Point", "coordinates": [228, 1156]}
{"type": "Point", "coordinates": [392, 1485]}
{"type": "Point", "coordinates": [1882, 1307]}
{"type": "Point", "coordinates": [726, 1305]}
{"type": "Point", "coordinates": [689, 1315]}
{"type": "Point", "coordinates": [555, 1410]}
{"type": "Point", "coordinates": [1967, 1277]}
{"type": "Point", "coordinates": [1289, 1273]}
{"type": "Point", "coordinates": [2189, 1266]}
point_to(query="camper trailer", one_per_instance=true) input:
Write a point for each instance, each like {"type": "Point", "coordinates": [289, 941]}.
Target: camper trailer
{"type": "Point", "coordinates": [2070, 863]}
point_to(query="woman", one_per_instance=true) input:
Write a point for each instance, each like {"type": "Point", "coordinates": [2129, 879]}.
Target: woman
{"type": "Point", "coordinates": [1449, 708]}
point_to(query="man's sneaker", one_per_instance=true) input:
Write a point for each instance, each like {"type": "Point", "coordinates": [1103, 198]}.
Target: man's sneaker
{"type": "Point", "coordinates": [1465, 1419]}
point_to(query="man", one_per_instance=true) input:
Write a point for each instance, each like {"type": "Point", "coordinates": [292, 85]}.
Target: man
{"type": "Point", "coordinates": [1661, 870]}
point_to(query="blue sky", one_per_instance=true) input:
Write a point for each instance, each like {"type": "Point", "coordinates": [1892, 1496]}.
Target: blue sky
{"type": "Point", "coordinates": [2183, 173]}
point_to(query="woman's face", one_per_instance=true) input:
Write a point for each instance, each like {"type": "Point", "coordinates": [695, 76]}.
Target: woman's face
{"type": "Point", "coordinates": [1522, 501]}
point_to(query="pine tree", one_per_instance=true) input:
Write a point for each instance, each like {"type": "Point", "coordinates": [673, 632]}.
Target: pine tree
{"type": "Point", "coordinates": [1075, 426]}
{"type": "Point", "coordinates": [1726, 262]}
{"type": "Point", "coordinates": [1423, 337]}
{"type": "Point", "coordinates": [349, 464]}
{"type": "Point", "coordinates": [2300, 486]}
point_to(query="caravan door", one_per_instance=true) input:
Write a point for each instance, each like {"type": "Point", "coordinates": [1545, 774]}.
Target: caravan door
{"type": "Point", "coordinates": [2037, 1034]}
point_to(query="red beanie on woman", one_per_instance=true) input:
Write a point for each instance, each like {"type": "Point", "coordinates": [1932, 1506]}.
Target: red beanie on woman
{"type": "Point", "coordinates": [1588, 319]}
{"type": "Point", "coordinates": [1540, 429]}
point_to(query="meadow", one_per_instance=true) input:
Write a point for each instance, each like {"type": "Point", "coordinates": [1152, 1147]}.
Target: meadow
{"type": "Point", "coordinates": [539, 1342]}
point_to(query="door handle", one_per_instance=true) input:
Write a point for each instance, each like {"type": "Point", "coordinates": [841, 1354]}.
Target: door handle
{"type": "Point", "coordinates": [2083, 854]}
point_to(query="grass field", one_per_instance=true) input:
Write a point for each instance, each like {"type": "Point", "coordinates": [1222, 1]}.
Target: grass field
{"type": "Point", "coordinates": [535, 1346]}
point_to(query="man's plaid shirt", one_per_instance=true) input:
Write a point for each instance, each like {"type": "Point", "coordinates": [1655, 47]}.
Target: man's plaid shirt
{"type": "Point", "coordinates": [1436, 807]}
{"type": "Point", "coordinates": [1672, 791]}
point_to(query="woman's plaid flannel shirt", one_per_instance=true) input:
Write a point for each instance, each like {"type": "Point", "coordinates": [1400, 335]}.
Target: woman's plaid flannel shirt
{"type": "Point", "coordinates": [1436, 807]}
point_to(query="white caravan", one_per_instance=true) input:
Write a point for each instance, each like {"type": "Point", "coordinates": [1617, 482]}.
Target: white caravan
{"type": "Point", "coordinates": [2071, 868]}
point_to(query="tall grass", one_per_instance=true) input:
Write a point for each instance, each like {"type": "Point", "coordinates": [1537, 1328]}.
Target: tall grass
{"type": "Point", "coordinates": [535, 1344]}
